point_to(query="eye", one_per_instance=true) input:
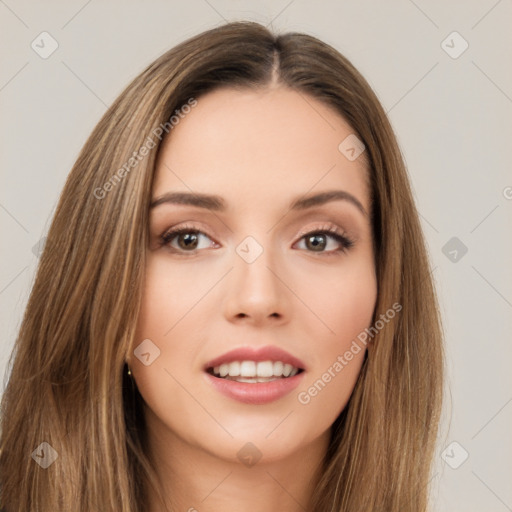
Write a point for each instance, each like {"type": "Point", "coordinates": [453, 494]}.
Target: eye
{"type": "Point", "coordinates": [317, 240]}
{"type": "Point", "coordinates": [187, 239]}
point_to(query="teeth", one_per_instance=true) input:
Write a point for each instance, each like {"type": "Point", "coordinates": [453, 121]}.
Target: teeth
{"type": "Point", "coordinates": [253, 380]}
{"type": "Point", "coordinates": [278, 368]}
{"type": "Point", "coordinates": [265, 369]}
{"type": "Point", "coordinates": [234, 369]}
{"type": "Point", "coordinates": [248, 369]}
{"type": "Point", "coordinates": [261, 371]}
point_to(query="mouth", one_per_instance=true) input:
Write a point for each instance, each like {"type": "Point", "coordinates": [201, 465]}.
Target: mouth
{"type": "Point", "coordinates": [255, 376]}
{"type": "Point", "coordinates": [253, 372]}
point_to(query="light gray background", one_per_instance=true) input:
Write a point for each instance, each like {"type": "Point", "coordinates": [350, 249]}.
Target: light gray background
{"type": "Point", "coordinates": [452, 117]}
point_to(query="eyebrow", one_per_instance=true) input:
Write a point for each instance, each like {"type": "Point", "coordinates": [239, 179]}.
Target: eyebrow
{"type": "Point", "coordinates": [217, 203]}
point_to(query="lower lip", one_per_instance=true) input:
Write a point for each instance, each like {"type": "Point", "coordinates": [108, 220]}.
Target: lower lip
{"type": "Point", "coordinates": [258, 393]}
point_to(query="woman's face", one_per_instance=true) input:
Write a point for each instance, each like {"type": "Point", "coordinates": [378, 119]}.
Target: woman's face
{"type": "Point", "coordinates": [242, 276]}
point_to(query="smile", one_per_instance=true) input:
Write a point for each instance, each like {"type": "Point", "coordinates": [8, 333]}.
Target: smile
{"type": "Point", "coordinates": [255, 375]}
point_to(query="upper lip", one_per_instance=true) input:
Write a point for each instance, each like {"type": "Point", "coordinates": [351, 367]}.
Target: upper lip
{"type": "Point", "coordinates": [267, 353]}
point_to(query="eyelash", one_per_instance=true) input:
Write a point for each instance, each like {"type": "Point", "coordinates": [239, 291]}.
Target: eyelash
{"type": "Point", "coordinates": [332, 231]}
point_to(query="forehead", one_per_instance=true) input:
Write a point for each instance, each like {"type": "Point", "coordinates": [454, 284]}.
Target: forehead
{"type": "Point", "coordinates": [259, 147]}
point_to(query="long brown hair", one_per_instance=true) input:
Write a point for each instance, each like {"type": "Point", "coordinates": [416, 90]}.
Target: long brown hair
{"type": "Point", "coordinates": [68, 385]}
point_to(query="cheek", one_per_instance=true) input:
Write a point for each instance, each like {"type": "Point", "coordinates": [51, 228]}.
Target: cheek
{"type": "Point", "coordinates": [168, 296]}
{"type": "Point", "coordinates": [167, 299]}
{"type": "Point", "coordinates": [352, 303]}
{"type": "Point", "coordinates": [343, 301]}
{"type": "Point", "coordinates": [346, 307]}
{"type": "Point", "coordinates": [158, 321]}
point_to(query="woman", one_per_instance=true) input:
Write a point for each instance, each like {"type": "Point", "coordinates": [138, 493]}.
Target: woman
{"type": "Point", "coordinates": [234, 308]}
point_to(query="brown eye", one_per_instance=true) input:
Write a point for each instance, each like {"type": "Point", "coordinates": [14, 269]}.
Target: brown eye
{"type": "Point", "coordinates": [188, 239]}
{"type": "Point", "coordinates": [318, 241]}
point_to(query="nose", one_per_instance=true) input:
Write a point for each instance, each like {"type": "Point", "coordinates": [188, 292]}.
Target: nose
{"type": "Point", "coordinates": [256, 292]}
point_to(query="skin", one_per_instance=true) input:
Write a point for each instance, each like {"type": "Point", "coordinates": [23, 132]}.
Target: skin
{"type": "Point", "coordinates": [259, 150]}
